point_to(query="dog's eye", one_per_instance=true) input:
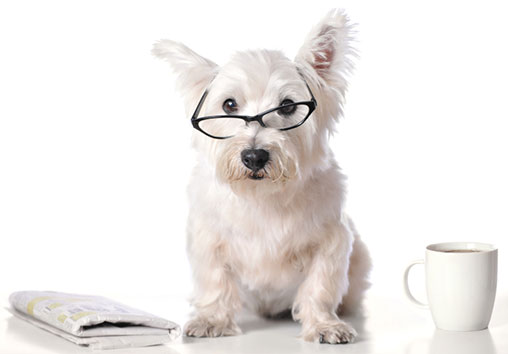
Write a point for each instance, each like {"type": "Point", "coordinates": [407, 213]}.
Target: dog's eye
{"type": "Point", "coordinates": [287, 111]}
{"type": "Point", "coordinates": [230, 106]}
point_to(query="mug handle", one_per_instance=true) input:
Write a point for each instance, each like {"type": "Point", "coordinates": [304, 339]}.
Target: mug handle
{"type": "Point", "coordinates": [406, 285]}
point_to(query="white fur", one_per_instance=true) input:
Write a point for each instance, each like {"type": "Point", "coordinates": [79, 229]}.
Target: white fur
{"type": "Point", "coordinates": [283, 242]}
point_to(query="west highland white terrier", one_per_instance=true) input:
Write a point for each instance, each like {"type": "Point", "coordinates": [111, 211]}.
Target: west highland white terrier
{"type": "Point", "coordinates": [266, 226]}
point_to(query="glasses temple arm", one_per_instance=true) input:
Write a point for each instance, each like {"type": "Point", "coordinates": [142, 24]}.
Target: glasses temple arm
{"type": "Point", "coordinates": [198, 108]}
{"type": "Point", "coordinates": [311, 94]}
{"type": "Point", "coordinates": [308, 87]}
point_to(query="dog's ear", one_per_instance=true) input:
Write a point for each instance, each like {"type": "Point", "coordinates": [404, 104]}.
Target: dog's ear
{"type": "Point", "coordinates": [326, 52]}
{"type": "Point", "coordinates": [194, 72]}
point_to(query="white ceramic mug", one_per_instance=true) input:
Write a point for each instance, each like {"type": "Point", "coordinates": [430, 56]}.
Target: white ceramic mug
{"type": "Point", "coordinates": [461, 279]}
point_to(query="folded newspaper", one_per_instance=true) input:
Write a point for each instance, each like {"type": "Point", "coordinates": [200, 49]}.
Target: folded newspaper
{"type": "Point", "coordinates": [92, 321]}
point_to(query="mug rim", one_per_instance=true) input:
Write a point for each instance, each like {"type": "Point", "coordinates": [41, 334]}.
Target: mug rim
{"type": "Point", "coordinates": [442, 247]}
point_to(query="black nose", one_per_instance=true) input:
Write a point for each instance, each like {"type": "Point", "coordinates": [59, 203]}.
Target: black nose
{"type": "Point", "coordinates": [255, 159]}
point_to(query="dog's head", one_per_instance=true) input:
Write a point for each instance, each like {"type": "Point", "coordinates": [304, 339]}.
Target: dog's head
{"type": "Point", "coordinates": [262, 139]}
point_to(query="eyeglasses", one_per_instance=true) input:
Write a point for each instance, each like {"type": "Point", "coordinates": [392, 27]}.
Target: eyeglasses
{"type": "Point", "coordinates": [284, 117]}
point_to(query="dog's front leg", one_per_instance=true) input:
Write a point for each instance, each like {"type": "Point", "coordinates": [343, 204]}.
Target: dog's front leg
{"type": "Point", "coordinates": [216, 297]}
{"type": "Point", "coordinates": [322, 290]}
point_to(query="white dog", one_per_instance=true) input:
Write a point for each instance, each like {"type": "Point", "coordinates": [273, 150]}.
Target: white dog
{"type": "Point", "coordinates": [266, 227]}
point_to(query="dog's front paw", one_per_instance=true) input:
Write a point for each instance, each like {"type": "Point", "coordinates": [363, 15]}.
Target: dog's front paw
{"type": "Point", "coordinates": [332, 333]}
{"type": "Point", "coordinates": [201, 327]}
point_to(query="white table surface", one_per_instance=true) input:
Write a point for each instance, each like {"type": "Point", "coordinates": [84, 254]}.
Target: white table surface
{"type": "Point", "coordinates": [387, 325]}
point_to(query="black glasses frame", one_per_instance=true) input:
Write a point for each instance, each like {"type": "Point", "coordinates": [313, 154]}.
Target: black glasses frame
{"type": "Point", "coordinates": [312, 104]}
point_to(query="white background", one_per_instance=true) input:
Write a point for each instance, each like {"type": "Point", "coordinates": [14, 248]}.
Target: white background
{"type": "Point", "coordinates": [94, 142]}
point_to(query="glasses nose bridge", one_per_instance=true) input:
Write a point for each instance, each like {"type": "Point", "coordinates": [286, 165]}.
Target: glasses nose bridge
{"type": "Point", "coordinates": [257, 118]}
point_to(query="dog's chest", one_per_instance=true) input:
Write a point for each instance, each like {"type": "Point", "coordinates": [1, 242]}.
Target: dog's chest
{"type": "Point", "coordinates": [269, 256]}
{"type": "Point", "coordinates": [270, 248]}
{"type": "Point", "coordinates": [260, 268]}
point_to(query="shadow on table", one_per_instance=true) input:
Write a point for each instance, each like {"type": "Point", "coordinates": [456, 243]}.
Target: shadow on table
{"type": "Point", "coordinates": [277, 335]}
{"type": "Point", "coordinates": [446, 342]}
{"type": "Point", "coordinates": [255, 323]}
{"type": "Point", "coordinates": [451, 342]}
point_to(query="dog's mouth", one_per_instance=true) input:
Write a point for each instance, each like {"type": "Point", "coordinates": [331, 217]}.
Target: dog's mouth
{"type": "Point", "coordinates": [257, 175]}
